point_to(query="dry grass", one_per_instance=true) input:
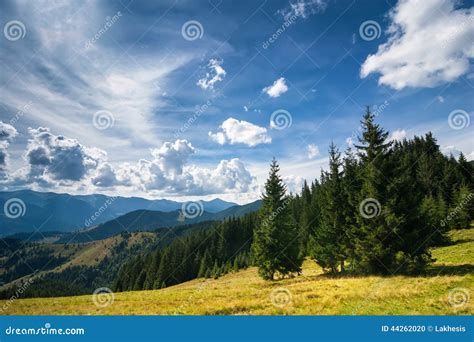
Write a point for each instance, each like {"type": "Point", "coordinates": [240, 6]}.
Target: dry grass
{"type": "Point", "coordinates": [244, 293]}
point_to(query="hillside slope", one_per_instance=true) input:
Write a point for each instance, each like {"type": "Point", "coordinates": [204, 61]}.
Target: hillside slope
{"type": "Point", "coordinates": [148, 220]}
{"type": "Point", "coordinates": [451, 276]}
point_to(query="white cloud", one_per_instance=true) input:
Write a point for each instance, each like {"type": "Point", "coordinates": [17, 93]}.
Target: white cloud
{"type": "Point", "coordinates": [398, 135]}
{"type": "Point", "coordinates": [241, 132]}
{"type": "Point", "coordinates": [313, 151]}
{"type": "Point", "coordinates": [470, 156]}
{"type": "Point", "coordinates": [56, 162]}
{"type": "Point", "coordinates": [293, 183]}
{"type": "Point", "coordinates": [7, 133]}
{"type": "Point", "coordinates": [215, 74]}
{"type": "Point", "coordinates": [303, 8]}
{"type": "Point", "coordinates": [350, 142]}
{"type": "Point", "coordinates": [172, 156]}
{"type": "Point", "coordinates": [228, 176]}
{"type": "Point", "coordinates": [430, 43]}
{"type": "Point", "coordinates": [451, 150]}
{"type": "Point", "coordinates": [277, 88]}
{"type": "Point", "coordinates": [53, 158]}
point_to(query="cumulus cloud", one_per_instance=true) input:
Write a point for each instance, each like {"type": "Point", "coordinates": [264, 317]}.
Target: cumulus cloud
{"type": "Point", "coordinates": [240, 132]}
{"type": "Point", "coordinates": [398, 135]}
{"type": "Point", "coordinates": [313, 151]}
{"type": "Point", "coordinates": [303, 8]}
{"type": "Point", "coordinates": [7, 133]}
{"type": "Point", "coordinates": [57, 158]}
{"type": "Point", "coordinates": [430, 43]}
{"type": "Point", "coordinates": [216, 73]}
{"type": "Point", "coordinates": [228, 176]}
{"type": "Point", "coordinates": [172, 156]}
{"type": "Point", "coordinates": [277, 88]}
{"type": "Point", "coordinates": [55, 161]}
{"type": "Point", "coordinates": [106, 176]}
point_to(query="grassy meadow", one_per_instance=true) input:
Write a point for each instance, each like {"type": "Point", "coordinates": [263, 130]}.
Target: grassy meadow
{"type": "Point", "coordinates": [312, 293]}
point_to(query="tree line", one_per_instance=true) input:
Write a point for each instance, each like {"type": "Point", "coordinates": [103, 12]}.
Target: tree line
{"type": "Point", "coordinates": [211, 252]}
{"type": "Point", "coordinates": [378, 209]}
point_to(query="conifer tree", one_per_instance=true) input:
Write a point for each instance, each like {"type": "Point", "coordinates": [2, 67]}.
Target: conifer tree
{"type": "Point", "coordinates": [373, 253]}
{"type": "Point", "coordinates": [461, 211]}
{"type": "Point", "coordinates": [327, 246]}
{"type": "Point", "coordinates": [276, 243]}
{"type": "Point", "coordinates": [205, 264]}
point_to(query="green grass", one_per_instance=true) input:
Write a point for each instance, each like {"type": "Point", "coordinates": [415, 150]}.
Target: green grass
{"type": "Point", "coordinates": [244, 293]}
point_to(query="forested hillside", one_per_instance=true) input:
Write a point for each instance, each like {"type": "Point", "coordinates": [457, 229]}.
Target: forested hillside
{"type": "Point", "coordinates": [378, 209]}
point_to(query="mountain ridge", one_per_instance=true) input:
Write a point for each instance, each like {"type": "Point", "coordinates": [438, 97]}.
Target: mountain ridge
{"type": "Point", "coordinates": [50, 211]}
{"type": "Point", "coordinates": [148, 220]}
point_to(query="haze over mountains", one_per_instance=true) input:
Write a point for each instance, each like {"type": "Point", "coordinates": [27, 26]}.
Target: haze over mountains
{"type": "Point", "coordinates": [66, 213]}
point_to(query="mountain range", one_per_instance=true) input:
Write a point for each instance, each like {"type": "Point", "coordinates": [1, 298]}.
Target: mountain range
{"type": "Point", "coordinates": [65, 213]}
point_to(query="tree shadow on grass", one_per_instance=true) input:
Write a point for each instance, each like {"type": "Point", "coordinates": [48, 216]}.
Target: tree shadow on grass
{"type": "Point", "coordinates": [431, 271]}
{"type": "Point", "coordinates": [448, 270]}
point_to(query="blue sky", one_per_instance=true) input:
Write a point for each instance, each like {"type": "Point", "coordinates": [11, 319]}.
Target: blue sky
{"type": "Point", "coordinates": [176, 98]}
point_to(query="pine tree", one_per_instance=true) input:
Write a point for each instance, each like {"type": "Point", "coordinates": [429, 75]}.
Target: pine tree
{"type": "Point", "coordinates": [205, 264]}
{"type": "Point", "coordinates": [460, 213]}
{"type": "Point", "coordinates": [327, 246]}
{"type": "Point", "coordinates": [276, 245]}
{"type": "Point", "coordinates": [351, 186]}
{"type": "Point", "coordinates": [466, 170]}
{"type": "Point", "coordinates": [373, 252]}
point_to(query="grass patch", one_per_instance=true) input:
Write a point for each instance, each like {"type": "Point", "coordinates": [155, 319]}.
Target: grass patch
{"type": "Point", "coordinates": [244, 293]}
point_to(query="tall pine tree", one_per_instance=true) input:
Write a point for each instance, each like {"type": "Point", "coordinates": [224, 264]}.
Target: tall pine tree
{"type": "Point", "coordinates": [374, 221]}
{"type": "Point", "coordinates": [327, 245]}
{"type": "Point", "coordinates": [276, 243]}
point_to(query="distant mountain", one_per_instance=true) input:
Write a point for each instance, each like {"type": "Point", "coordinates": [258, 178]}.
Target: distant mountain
{"type": "Point", "coordinates": [238, 210]}
{"type": "Point", "coordinates": [48, 211]}
{"type": "Point", "coordinates": [147, 220]}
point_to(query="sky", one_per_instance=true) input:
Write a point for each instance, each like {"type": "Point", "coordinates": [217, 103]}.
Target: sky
{"type": "Point", "coordinates": [192, 99]}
